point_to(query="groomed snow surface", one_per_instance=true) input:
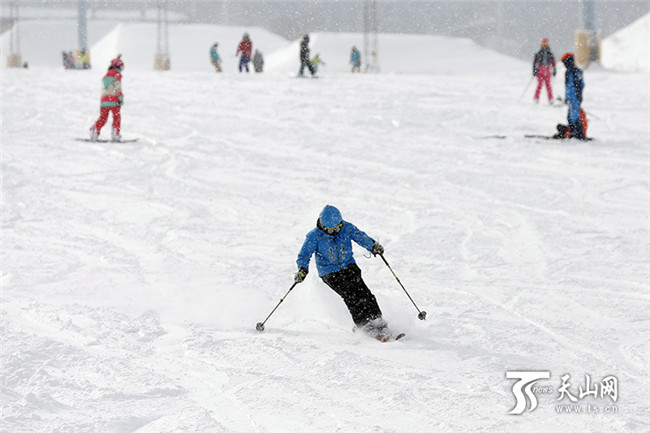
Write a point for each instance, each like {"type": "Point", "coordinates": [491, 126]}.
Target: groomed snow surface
{"type": "Point", "coordinates": [133, 274]}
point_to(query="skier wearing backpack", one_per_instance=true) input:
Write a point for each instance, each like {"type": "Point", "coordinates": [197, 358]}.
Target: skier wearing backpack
{"type": "Point", "coordinates": [111, 100]}
{"type": "Point", "coordinates": [574, 84]}
{"type": "Point", "coordinates": [331, 243]}
{"type": "Point", "coordinates": [543, 66]}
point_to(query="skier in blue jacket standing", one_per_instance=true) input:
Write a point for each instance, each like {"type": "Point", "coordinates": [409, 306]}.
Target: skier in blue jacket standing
{"type": "Point", "coordinates": [331, 243]}
{"type": "Point", "coordinates": [574, 85]}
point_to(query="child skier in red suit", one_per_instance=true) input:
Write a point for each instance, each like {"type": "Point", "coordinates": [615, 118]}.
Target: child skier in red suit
{"type": "Point", "coordinates": [111, 100]}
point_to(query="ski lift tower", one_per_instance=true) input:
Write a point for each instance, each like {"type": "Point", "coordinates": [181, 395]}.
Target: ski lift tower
{"type": "Point", "coordinates": [161, 60]}
{"type": "Point", "coordinates": [370, 40]}
{"type": "Point", "coordinates": [14, 59]}
{"type": "Point", "coordinates": [83, 56]}
{"type": "Point", "coordinates": [587, 42]}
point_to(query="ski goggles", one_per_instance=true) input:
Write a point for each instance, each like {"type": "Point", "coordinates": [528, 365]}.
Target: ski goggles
{"type": "Point", "coordinates": [333, 230]}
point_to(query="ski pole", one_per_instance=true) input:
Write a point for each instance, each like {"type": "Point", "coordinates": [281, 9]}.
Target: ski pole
{"type": "Point", "coordinates": [260, 325]}
{"type": "Point", "coordinates": [527, 86]}
{"type": "Point", "coordinates": [562, 100]}
{"type": "Point", "coordinates": [422, 315]}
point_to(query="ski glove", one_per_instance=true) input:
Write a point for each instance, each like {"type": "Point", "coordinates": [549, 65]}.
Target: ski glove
{"type": "Point", "coordinates": [377, 249]}
{"type": "Point", "coordinates": [299, 277]}
{"type": "Point", "coordinates": [120, 100]}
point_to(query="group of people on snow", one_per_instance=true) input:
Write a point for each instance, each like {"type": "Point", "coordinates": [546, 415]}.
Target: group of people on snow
{"type": "Point", "coordinates": [244, 51]}
{"type": "Point", "coordinates": [76, 60]}
{"type": "Point", "coordinates": [544, 67]}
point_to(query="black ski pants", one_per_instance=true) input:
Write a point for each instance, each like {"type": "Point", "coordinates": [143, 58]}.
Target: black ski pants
{"type": "Point", "coordinates": [349, 285]}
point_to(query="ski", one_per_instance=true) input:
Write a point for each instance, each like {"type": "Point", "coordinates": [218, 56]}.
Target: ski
{"type": "Point", "coordinates": [385, 338]}
{"type": "Point", "coordinates": [550, 137]}
{"type": "Point", "coordinates": [104, 140]}
{"type": "Point", "coordinates": [384, 334]}
{"type": "Point", "coordinates": [544, 137]}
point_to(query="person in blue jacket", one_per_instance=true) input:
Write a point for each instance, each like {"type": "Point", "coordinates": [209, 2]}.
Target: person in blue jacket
{"type": "Point", "coordinates": [355, 59]}
{"type": "Point", "coordinates": [331, 244]}
{"type": "Point", "coordinates": [214, 57]}
{"type": "Point", "coordinates": [574, 85]}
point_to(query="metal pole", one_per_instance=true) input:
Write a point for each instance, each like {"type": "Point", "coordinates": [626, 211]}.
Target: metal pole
{"type": "Point", "coordinates": [82, 25]}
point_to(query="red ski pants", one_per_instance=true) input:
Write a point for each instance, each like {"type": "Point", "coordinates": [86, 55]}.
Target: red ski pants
{"type": "Point", "coordinates": [103, 117]}
{"type": "Point", "coordinates": [544, 78]}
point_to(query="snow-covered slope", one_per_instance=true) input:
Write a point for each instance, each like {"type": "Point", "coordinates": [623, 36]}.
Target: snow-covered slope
{"type": "Point", "coordinates": [133, 274]}
{"type": "Point", "coordinates": [629, 48]}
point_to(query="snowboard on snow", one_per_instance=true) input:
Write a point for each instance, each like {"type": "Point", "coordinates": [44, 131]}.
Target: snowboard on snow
{"type": "Point", "coordinates": [104, 140]}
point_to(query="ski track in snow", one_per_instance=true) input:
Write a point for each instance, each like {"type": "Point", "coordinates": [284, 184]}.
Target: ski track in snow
{"type": "Point", "coordinates": [133, 273]}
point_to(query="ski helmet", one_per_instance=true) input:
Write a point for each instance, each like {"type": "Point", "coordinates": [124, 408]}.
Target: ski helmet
{"type": "Point", "coordinates": [330, 219]}
{"type": "Point", "coordinates": [545, 42]}
{"type": "Point", "coordinates": [117, 62]}
{"type": "Point", "coordinates": [568, 60]}
{"type": "Point", "coordinates": [566, 56]}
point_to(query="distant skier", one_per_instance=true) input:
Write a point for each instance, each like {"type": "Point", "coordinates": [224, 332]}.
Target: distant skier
{"type": "Point", "coordinates": [316, 61]}
{"type": "Point", "coordinates": [543, 66]}
{"type": "Point", "coordinates": [304, 57]}
{"type": "Point", "coordinates": [331, 243]}
{"type": "Point", "coordinates": [68, 60]}
{"type": "Point", "coordinates": [83, 59]}
{"type": "Point", "coordinates": [215, 58]}
{"type": "Point", "coordinates": [111, 100]}
{"type": "Point", "coordinates": [258, 61]}
{"type": "Point", "coordinates": [245, 47]}
{"type": "Point", "coordinates": [355, 59]}
{"type": "Point", "coordinates": [574, 84]}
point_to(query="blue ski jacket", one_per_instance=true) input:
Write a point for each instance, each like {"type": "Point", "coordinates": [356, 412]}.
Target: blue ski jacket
{"type": "Point", "coordinates": [333, 253]}
{"type": "Point", "coordinates": [573, 87]}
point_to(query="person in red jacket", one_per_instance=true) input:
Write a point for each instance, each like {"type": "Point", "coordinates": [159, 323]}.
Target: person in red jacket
{"type": "Point", "coordinates": [111, 100]}
{"type": "Point", "coordinates": [245, 47]}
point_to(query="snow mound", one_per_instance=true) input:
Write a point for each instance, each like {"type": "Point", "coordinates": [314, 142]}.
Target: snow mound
{"type": "Point", "coordinates": [629, 48]}
{"type": "Point", "coordinates": [189, 45]}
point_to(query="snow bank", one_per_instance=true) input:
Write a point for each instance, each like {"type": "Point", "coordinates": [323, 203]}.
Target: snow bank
{"type": "Point", "coordinates": [629, 48]}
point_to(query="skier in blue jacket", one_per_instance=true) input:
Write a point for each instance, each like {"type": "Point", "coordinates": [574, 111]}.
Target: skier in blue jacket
{"type": "Point", "coordinates": [574, 85]}
{"type": "Point", "coordinates": [331, 243]}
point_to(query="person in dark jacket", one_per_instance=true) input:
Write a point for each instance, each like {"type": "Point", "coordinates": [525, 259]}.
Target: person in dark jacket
{"type": "Point", "coordinates": [304, 57]}
{"type": "Point", "coordinates": [543, 67]}
{"type": "Point", "coordinates": [258, 61]}
{"type": "Point", "coordinates": [574, 84]}
{"type": "Point", "coordinates": [331, 243]}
